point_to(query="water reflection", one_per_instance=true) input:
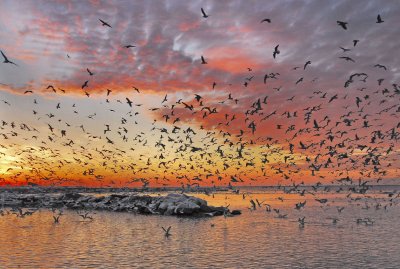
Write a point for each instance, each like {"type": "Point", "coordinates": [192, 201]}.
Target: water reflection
{"type": "Point", "coordinates": [256, 239]}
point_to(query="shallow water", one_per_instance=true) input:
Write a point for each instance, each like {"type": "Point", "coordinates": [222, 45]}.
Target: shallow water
{"type": "Point", "coordinates": [256, 239]}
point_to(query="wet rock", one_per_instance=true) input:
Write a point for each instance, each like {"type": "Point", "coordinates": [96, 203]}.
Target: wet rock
{"type": "Point", "coordinates": [171, 204]}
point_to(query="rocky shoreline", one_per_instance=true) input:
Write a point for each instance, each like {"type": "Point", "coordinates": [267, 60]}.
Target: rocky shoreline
{"type": "Point", "coordinates": [172, 204]}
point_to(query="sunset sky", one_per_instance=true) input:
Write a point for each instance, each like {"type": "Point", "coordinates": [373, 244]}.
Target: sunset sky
{"type": "Point", "coordinates": [302, 116]}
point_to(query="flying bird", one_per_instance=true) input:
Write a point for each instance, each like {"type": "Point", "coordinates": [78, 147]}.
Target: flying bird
{"type": "Point", "coordinates": [6, 60]}
{"type": "Point", "coordinates": [379, 19]}
{"type": "Point", "coordinates": [204, 13]}
{"type": "Point", "coordinates": [166, 231]}
{"type": "Point", "coordinates": [347, 59]}
{"type": "Point", "coordinates": [129, 102]}
{"type": "Point", "coordinates": [342, 24]}
{"type": "Point", "coordinates": [276, 51]}
{"type": "Point", "coordinates": [203, 61]}
{"type": "Point", "coordinates": [305, 65]}
{"type": "Point", "coordinates": [90, 73]}
{"type": "Point", "coordinates": [103, 23]}
{"type": "Point", "coordinates": [266, 20]}
{"type": "Point", "coordinates": [85, 84]}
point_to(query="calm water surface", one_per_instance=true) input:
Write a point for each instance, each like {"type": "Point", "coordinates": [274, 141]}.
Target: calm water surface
{"type": "Point", "coordinates": [256, 239]}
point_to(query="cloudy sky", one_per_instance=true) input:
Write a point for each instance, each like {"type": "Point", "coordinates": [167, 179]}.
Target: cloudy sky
{"type": "Point", "coordinates": [54, 43]}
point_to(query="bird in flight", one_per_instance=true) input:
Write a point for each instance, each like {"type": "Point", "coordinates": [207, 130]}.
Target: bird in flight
{"type": "Point", "coordinates": [104, 23]}
{"type": "Point", "coordinates": [166, 231]}
{"type": "Point", "coordinates": [85, 84]}
{"type": "Point", "coordinates": [266, 20]}
{"type": "Point", "coordinates": [355, 41]}
{"type": "Point", "coordinates": [342, 24]}
{"type": "Point", "coordinates": [379, 19]}
{"type": "Point", "coordinates": [129, 46]}
{"type": "Point", "coordinates": [305, 65]}
{"type": "Point", "coordinates": [347, 59]}
{"type": "Point", "coordinates": [129, 102]}
{"type": "Point", "coordinates": [6, 60]}
{"type": "Point", "coordinates": [90, 73]}
{"type": "Point", "coordinates": [203, 61]}
{"type": "Point", "coordinates": [204, 13]}
{"type": "Point", "coordinates": [276, 51]}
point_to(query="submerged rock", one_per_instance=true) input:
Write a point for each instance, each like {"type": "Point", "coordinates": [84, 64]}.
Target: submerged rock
{"type": "Point", "coordinates": [171, 204]}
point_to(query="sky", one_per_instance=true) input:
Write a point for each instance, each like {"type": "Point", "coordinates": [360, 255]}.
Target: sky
{"type": "Point", "coordinates": [82, 107]}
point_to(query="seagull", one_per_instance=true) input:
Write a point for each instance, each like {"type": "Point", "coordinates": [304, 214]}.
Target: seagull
{"type": "Point", "coordinates": [342, 24]}
{"type": "Point", "coordinates": [6, 60]}
{"type": "Point", "coordinates": [203, 61]}
{"type": "Point", "coordinates": [276, 51]}
{"type": "Point", "coordinates": [355, 41]}
{"type": "Point", "coordinates": [129, 102]}
{"type": "Point", "coordinates": [28, 92]}
{"type": "Point", "coordinates": [305, 65]}
{"type": "Point", "coordinates": [90, 73]}
{"type": "Point", "coordinates": [85, 84]}
{"type": "Point", "coordinates": [347, 59]}
{"type": "Point", "coordinates": [379, 19]}
{"type": "Point", "coordinates": [167, 233]}
{"type": "Point", "coordinates": [380, 66]}
{"type": "Point", "coordinates": [204, 13]}
{"type": "Point", "coordinates": [129, 46]}
{"type": "Point", "coordinates": [266, 20]}
{"type": "Point", "coordinates": [104, 23]}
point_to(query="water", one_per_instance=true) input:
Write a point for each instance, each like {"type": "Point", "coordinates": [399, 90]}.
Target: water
{"type": "Point", "coordinates": [256, 239]}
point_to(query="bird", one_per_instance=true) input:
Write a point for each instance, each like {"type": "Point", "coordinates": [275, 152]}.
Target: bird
{"type": "Point", "coordinates": [6, 60]}
{"type": "Point", "coordinates": [28, 92]}
{"type": "Point", "coordinates": [129, 102]}
{"type": "Point", "coordinates": [379, 19]}
{"type": "Point", "coordinates": [103, 23]}
{"type": "Point", "coordinates": [90, 73]}
{"type": "Point", "coordinates": [166, 231]}
{"type": "Point", "coordinates": [84, 215]}
{"type": "Point", "coordinates": [129, 46]}
{"type": "Point", "coordinates": [266, 20]}
{"type": "Point", "coordinates": [347, 59]}
{"type": "Point", "coordinates": [85, 84]}
{"type": "Point", "coordinates": [108, 92]}
{"type": "Point", "coordinates": [204, 13]}
{"type": "Point", "coordinates": [380, 66]}
{"type": "Point", "coordinates": [305, 65]}
{"type": "Point", "coordinates": [203, 61]}
{"type": "Point", "coordinates": [355, 41]}
{"type": "Point", "coordinates": [344, 49]}
{"type": "Point", "coordinates": [276, 51]}
{"type": "Point", "coordinates": [57, 218]}
{"type": "Point", "coordinates": [342, 24]}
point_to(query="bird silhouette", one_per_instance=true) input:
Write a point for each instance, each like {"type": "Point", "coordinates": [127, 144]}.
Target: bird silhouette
{"type": "Point", "coordinates": [6, 60]}
{"type": "Point", "coordinates": [276, 51]}
{"type": "Point", "coordinates": [204, 13]}
{"type": "Point", "coordinates": [342, 24]}
{"type": "Point", "coordinates": [103, 23]}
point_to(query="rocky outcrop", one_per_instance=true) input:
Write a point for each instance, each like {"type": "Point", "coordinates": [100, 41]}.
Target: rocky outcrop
{"type": "Point", "coordinates": [171, 204]}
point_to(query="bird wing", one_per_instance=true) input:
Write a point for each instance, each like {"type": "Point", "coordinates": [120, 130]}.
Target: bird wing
{"type": "Point", "coordinates": [5, 57]}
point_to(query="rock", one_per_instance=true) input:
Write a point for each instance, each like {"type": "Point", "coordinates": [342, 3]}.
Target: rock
{"type": "Point", "coordinates": [236, 212]}
{"type": "Point", "coordinates": [171, 204]}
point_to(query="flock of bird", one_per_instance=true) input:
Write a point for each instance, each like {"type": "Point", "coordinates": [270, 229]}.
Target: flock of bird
{"type": "Point", "coordinates": [347, 139]}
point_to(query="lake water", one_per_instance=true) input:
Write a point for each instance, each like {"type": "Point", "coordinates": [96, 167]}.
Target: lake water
{"type": "Point", "coordinates": [255, 239]}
